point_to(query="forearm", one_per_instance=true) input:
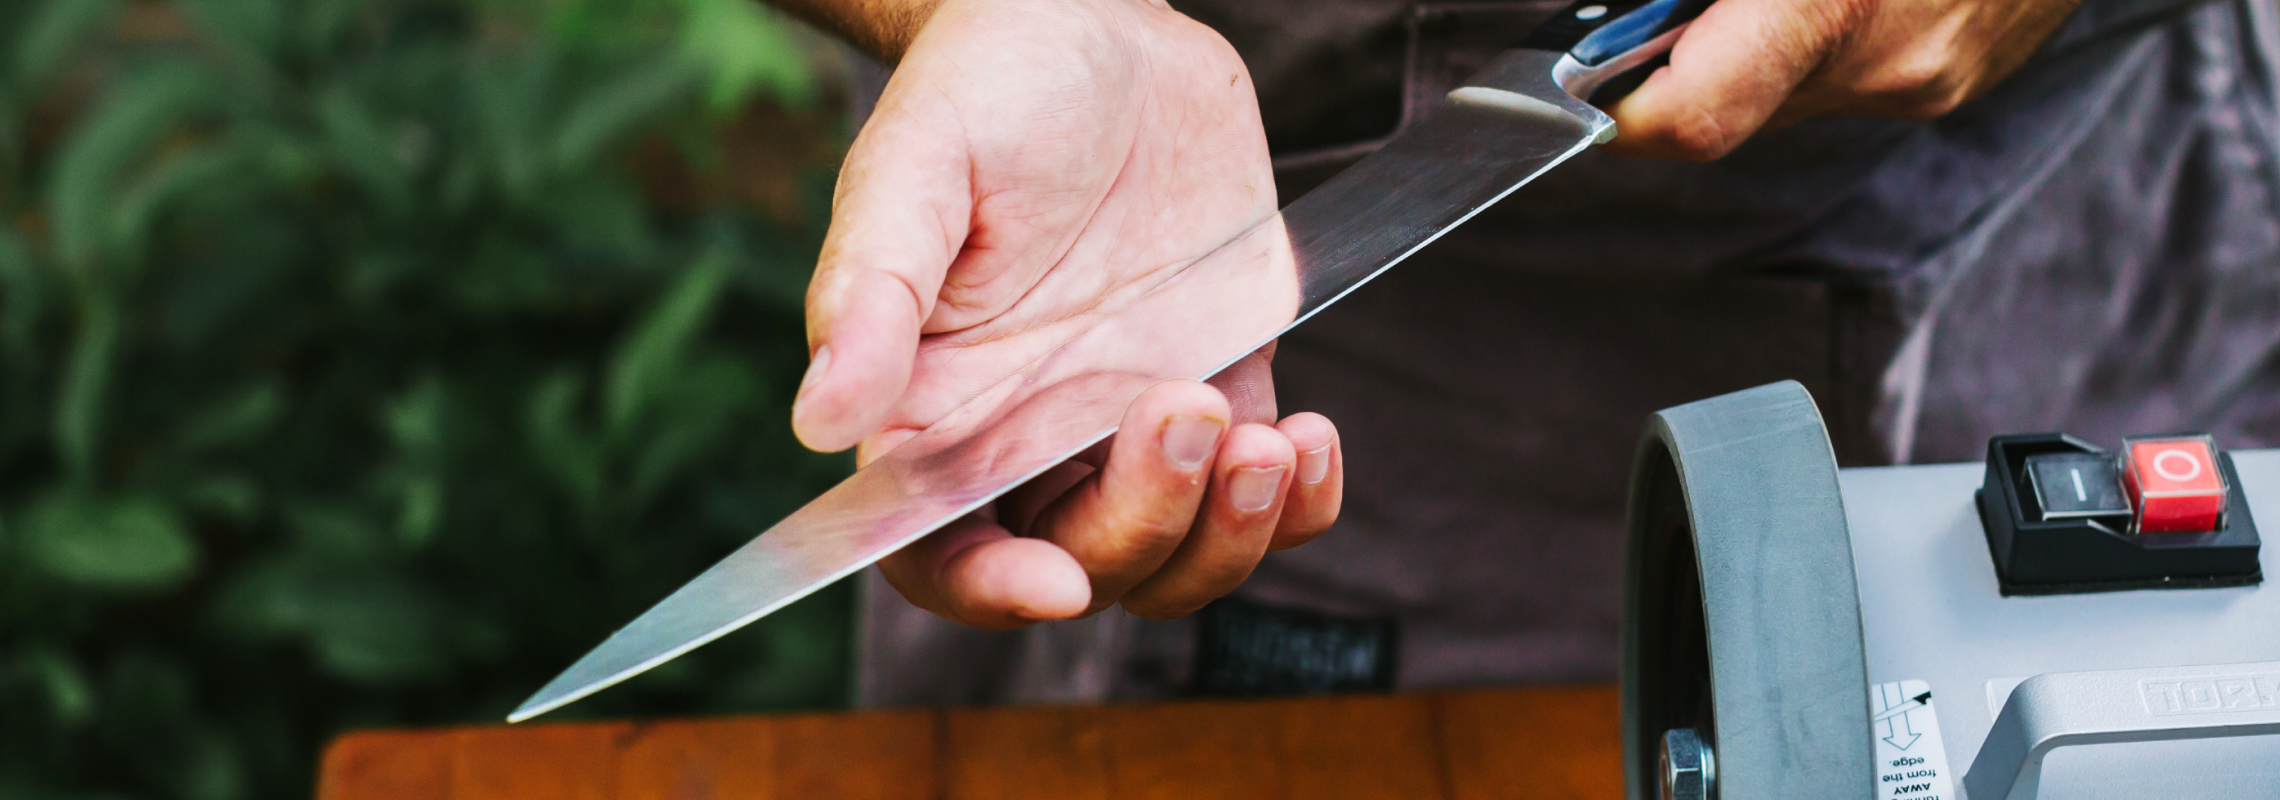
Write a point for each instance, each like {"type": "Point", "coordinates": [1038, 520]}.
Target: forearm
{"type": "Point", "coordinates": [882, 28]}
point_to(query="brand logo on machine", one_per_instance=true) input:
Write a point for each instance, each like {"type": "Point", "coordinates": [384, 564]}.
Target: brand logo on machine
{"type": "Point", "coordinates": [2215, 694]}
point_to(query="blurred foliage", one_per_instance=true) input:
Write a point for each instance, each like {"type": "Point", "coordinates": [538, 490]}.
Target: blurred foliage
{"type": "Point", "coordinates": [364, 362]}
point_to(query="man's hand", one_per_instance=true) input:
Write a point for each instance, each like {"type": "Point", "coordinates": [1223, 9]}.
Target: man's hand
{"type": "Point", "coordinates": [1751, 65]}
{"type": "Point", "coordinates": [1032, 166]}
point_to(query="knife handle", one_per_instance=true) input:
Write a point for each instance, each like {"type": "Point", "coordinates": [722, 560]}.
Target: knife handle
{"type": "Point", "coordinates": [1601, 39]}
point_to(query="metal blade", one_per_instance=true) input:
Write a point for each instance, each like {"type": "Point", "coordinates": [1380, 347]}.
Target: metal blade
{"type": "Point", "coordinates": [1508, 125]}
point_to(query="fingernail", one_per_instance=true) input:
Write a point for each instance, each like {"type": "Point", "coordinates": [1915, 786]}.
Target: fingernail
{"type": "Point", "coordinates": [1189, 441]}
{"type": "Point", "coordinates": [816, 368]}
{"type": "Point", "coordinates": [1314, 465]}
{"type": "Point", "coordinates": [1250, 489]}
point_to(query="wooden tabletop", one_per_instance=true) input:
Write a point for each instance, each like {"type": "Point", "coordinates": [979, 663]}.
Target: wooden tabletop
{"type": "Point", "coordinates": [1541, 744]}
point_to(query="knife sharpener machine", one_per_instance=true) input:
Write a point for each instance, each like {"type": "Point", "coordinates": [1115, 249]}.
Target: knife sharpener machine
{"type": "Point", "coordinates": [1771, 599]}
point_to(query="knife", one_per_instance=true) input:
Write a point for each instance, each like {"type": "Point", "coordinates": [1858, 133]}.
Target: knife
{"type": "Point", "coordinates": [1521, 115]}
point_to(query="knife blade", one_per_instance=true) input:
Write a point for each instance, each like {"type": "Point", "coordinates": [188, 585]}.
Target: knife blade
{"type": "Point", "coordinates": [1520, 116]}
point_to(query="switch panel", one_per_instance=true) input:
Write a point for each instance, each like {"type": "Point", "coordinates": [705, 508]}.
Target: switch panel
{"type": "Point", "coordinates": [2065, 516]}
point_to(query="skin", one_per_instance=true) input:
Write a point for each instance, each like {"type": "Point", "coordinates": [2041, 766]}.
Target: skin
{"type": "Point", "coordinates": [1033, 161]}
{"type": "Point", "coordinates": [1751, 65]}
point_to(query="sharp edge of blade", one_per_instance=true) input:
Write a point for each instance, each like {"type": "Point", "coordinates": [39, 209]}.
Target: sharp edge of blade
{"type": "Point", "coordinates": [534, 706]}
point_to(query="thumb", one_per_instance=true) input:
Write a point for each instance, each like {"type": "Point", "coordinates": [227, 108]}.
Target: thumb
{"type": "Point", "coordinates": [899, 217]}
{"type": "Point", "coordinates": [1729, 73]}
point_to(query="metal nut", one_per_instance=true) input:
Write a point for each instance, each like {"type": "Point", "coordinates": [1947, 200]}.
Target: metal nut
{"type": "Point", "coordinates": [1689, 769]}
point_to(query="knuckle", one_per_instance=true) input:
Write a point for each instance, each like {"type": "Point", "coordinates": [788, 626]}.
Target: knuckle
{"type": "Point", "coordinates": [1917, 80]}
{"type": "Point", "coordinates": [1849, 15]}
{"type": "Point", "coordinates": [1153, 532]}
{"type": "Point", "coordinates": [1144, 527]}
{"type": "Point", "coordinates": [1697, 135]}
{"type": "Point", "coordinates": [1924, 83]}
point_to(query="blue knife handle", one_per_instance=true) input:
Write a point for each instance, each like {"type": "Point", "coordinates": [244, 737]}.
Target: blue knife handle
{"type": "Point", "coordinates": [1600, 39]}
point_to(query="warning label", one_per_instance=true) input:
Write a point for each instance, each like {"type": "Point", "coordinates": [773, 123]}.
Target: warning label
{"type": "Point", "coordinates": [1911, 763]}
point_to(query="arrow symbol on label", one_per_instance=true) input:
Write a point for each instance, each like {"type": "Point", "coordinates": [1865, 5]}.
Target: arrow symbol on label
{"type": "Point", "coordinates": [1892, 730]}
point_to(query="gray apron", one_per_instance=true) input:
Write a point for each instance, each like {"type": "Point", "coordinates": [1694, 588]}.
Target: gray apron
{"type": "Point", "coordinates": [2093, 247]}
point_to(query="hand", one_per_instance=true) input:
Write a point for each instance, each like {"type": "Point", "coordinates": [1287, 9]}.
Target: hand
{"type": "Point", "coordinates": [1031, 167]}
{"type": "Point", "coordinates": [1751, 65]}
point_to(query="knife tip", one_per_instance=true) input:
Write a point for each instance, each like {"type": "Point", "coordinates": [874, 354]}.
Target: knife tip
{"type": "Point", "coordinates": [549, 699]}
{"type": "Point", "coordinates": [531, 708]}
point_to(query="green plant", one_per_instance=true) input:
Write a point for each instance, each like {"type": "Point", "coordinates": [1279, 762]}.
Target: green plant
{"type": "Point", "coordinates": [363, 362]}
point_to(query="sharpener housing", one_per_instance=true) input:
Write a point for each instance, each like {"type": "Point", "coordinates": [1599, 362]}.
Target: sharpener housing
{"type": "Point", "coordinates": [1825, 634]}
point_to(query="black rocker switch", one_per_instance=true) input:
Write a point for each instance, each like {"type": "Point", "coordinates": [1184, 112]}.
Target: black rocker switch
{"type": "Point", "coordinates": [2078, 486]}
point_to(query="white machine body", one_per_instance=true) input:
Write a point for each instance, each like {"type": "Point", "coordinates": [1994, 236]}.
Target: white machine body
{"type": "Point", "coordinates": [1931, 611]}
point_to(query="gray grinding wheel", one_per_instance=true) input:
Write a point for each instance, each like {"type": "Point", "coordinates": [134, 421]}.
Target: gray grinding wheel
{"type": "Point", "coordinates": [1741, 619]}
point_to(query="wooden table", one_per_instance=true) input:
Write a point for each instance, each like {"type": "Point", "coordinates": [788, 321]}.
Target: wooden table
{"type": "Point", "coordinates": [1542, 744]}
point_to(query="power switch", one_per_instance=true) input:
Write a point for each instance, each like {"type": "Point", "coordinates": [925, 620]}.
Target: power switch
{"type": "Point", "coordinates": [2078, 486]}
{"type": "Point", "coordinates": [2174, 483]}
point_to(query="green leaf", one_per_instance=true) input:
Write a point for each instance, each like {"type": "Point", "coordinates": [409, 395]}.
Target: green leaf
{"type": "Point", "coordinates": [508, 95]}
{"type": "Point", "coordinates": [71, 697]}
{"type": "Point", "coordinates": [648, 359]}
{"type": "Point", "coordinates": [176, 176]}
{"type": "Point", "coordinates": [599, 219]}
{"type": "Point", "coordinates": [116, 136]}
{"type": "Point", "coordinates": [268, 598]}
{"type": "Point", "coordinates": [116, 544]}
{"type": "Point", "coordinates": [23, 296]}
{"type": "Point", "coordinates": [693, 422]}
{"type": "Point", "coordinates": [85, 387]}
{"type": "Point", "coordinates": [364, 151]}
{"type": "Point", "coordinates": [335, 529]}
{"type": "Point", "coordinates": [237, 418]}
{"type": "Point", "coordinates": [364, 625]}
{"type": "Point", "coordinates": [57, 29]}
{"type": "Point", "coordinates": [419, 511]}
{"type": "Point", "coordinates": [377, 632]}
{"type": "Point", "coordinates": [503, 275]}
{"type": "Point", "coordinates": [325, 21]}
{"type": "Point", "coordinates": [233, 496]}
{"type": "Point", "coordinates": [745, 47]}
{"type": "Point", "coordinates": [414, 420]}
{"type": "Point", "coordinates": [558, 441]}
{"type": "Point", "coordinates": [606, 114]}
{"type": "Point", "coordinates": [249, 31]}
{"type": "Point", "coordinates": [462, 183]}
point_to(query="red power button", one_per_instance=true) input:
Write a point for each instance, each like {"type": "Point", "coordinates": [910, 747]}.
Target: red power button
{"type": "Point", "coordinates": [2174, 484]}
